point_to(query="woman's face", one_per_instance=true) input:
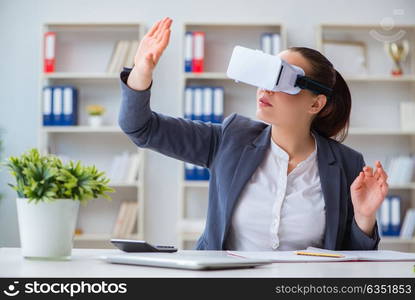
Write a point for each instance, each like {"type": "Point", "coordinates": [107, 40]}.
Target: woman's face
{"type": "Point", "coordinates": [283, 109]}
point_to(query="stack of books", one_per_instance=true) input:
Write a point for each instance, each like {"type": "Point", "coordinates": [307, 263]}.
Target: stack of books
{"type": "Point", "coordinates": [122, 55]}
{"type": "Point", "coordinates": [400, 169]}
{"type": "Point", "coordinates": [126, 219]}
{"type": "Point", "coordinates": [408, 224]}
{"type": "Point", "coordinates": [124, 168]}
{"type": "Point", "coordinates": [271, 43]}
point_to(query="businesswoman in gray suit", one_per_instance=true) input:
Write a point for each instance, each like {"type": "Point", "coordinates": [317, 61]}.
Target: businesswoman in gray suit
{"type": "Point", "coordinates": [281, 184]}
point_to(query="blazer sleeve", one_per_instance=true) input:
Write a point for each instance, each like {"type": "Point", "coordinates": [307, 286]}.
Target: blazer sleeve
{"type": "Point", "coordinates": [195, 142]}
{"type": "Point", "coordinates": [357, 239]}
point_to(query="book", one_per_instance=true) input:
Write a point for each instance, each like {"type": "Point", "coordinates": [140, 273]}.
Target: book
{"type": "Point", "coordinates": [119, 223]}
{"type": "Point", "coordinates": [47, 106]}
{"type": "Point", "coordinates": [408, 224]}
{"type": "Point", "coordinates": [407, 110]}
{"type": "Point", "coordinates": [188, 51]}
{"type": "Point", "coordinates": [198, 51]}
{"type": "Point", "coordinates": [124, 168]}
{"type": "Point", "coordinates": [49, 47]}
{"type": "Point", "coordinates": [132, 50]}
{"type": "Point", "coordinates": [122, 55]}
{"type": "Point", "coordinates": [266, 43]}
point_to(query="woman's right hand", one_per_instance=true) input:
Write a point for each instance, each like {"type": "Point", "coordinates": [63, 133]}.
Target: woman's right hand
{"type": "Point", "coordinates": [148, 54]}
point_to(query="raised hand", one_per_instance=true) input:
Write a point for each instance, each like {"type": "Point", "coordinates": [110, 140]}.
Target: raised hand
{"type": "Point", "coordinates": [368, 191]}
{"type": "Point", "coordinates": [148, 54]}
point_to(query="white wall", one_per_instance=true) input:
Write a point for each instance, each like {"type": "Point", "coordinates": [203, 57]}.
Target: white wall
{"type": "Point", "coordinates": [20, 24]}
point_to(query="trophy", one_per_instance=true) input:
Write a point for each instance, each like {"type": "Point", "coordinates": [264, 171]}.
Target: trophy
{"type": "Point", "coordinates": [398, 52]}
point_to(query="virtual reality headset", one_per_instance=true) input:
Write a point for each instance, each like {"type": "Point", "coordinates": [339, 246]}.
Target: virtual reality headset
{"type": "Point", "coordinates": [269, 72]}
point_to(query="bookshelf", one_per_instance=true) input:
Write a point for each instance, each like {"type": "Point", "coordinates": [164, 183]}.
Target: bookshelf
{"type": "Point", "coordinates": [83, 51]}
{"type": "Point", "coordinates": [220, 39]}
{"type": "Point", "coordinates": [378, 93]}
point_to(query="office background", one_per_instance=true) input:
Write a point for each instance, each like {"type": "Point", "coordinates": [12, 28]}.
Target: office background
{"type": "Point", "coordinates": [21, 35]}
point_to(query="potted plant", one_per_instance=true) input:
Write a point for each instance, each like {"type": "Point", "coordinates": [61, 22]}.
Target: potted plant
{"type": "Point", "coordinates": [95, 113]}
{"type": "Point", "coordinates": [49, 193]}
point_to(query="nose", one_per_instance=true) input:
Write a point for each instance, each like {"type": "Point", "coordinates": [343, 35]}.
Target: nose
{"type": "Point", "coordinates": [267, 91]}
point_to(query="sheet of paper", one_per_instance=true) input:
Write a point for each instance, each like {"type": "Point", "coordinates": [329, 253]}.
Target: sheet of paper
{"type": "Point", "coordinates": [288, 256]}
{"type": "Point", "coordinates": [371, 255]}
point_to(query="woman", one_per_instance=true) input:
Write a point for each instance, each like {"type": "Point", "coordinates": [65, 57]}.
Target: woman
{"type": "Point", "coordinates": [278, 186]}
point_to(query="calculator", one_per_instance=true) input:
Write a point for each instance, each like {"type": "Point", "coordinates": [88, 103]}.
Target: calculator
{"type": "Point", "coordinates": [140, 246]}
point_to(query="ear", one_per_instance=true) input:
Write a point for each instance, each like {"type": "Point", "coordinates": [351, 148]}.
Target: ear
{"type": "Point", "coordinates": [318, 103]}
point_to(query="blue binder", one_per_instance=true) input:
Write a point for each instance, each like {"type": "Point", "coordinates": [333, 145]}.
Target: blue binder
{"type": "Point", "coordinates": [188, 44]}
{"type": "Point", "coordinates": [47, 106]}
{"type": "Point", "coordinates": [70, 106]}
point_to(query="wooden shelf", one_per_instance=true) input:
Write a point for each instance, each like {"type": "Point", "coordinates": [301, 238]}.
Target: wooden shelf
{"type": "Point", "coordinates": [406, 186]}
{"type": "Point", "coordinates": [89, 47]}
{"type": "Point", "coordinates": [206, 75]}
{"type": "Point", "coordinates": [99, 237]}
{"type": "Point", "coordinates": [196, 184]}
{"type": "Point", "coordinates": [126, 184]}
{"type": "Point", "coordinates": [81, 129]}
{"type": "Point", "coordinates": [72, 75]}
{"type": "Point", "coordinates": [378, 131]}
{"type": "Point", "coordinates": [380, 78]}
{"type": "Point", "coordinates": [396, 240]}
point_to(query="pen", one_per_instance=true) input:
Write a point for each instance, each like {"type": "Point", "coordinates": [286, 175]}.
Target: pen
{"type": "Point", "coordinates": [319, 254]}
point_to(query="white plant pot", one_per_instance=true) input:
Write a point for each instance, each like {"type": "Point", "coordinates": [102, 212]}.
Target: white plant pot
{"type": "Point", "coordinates": [95, 121]}
{"type": "Point", "coordinates": [47, 228]}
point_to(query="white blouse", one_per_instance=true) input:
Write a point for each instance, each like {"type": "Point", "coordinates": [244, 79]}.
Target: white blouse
{"type": "Point", "coordinates": [280, 212]}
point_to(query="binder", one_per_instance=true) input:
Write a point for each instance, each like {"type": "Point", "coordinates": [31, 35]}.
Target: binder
{"type": "Point", "coordinates": [47, 106]}
{"type": "Point", "coordinates": [385, 216]}
{"type": "Point", "coordinates": [198, 103]}
{"type": "Point", "coordinates": [57, 106]}
{"type": "Point", "coordinates": [200, 173]}
{"type": "Point", "coordinates": [49, 46]}
{"type": "Point", "coordinates": [207, 104]}
{"type": "Point", "coordinates": [70, 106]}
{"type": "Point", "coordinates": [395, 210]}
{"type": "Point", "coordinates": [266, 43]}
{"type": "Point", "coordinates": [188, 103]}
{"type": "Point", "coordinates": [198, 51]}
{"type": "Point", "coordinates": [190, 173]}
{"type": "Point", "coordinates": [276, 43]}
{"type": "Point", "coordinates": [218, 96]}
{"type": "Point", "coordinates": [188, 51]}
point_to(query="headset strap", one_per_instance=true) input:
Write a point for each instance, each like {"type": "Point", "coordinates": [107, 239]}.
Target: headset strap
{"type": "Point", "coordinates": [304, 82]}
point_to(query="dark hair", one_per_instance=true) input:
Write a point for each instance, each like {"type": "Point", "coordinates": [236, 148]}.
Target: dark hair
{"type": "Point", "coordinates": [333, 118]}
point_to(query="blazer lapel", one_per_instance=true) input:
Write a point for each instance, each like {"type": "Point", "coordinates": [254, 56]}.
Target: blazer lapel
{"type": "Point", "coordinates": [251, 157]}
{"type": "Point", "coordinates": [330, 178]}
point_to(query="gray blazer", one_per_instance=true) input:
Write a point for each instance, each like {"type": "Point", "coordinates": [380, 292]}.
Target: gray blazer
{"type": "Point", "coordinates": [232, 151]}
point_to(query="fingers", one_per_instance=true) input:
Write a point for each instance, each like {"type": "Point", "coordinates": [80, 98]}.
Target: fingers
{"type": "Point", "coordinates": [368, 171]}
{"type": "Point", "coordinates": [380, 172]}
{"type": "Point", "coordinates": [358, 182]}
{"type": "Point", "coordinates": [165, 39]}
{"type": "Point", "coordinates": [165, 25]}
{"type": "Point", "coordinates": [154, 28]}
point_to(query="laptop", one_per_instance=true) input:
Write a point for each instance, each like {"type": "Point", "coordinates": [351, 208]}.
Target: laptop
{"type": "Point", "coordinates": [191, 260]}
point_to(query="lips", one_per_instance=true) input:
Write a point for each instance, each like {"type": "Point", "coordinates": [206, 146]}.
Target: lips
{"type": "Point", "coordinates": [264, 101]}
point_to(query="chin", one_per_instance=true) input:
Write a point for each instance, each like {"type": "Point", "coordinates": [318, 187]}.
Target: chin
{"type": "Point", "coordinates": [263, 116]}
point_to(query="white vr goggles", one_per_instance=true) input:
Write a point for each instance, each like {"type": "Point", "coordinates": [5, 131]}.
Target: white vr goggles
{"type": "Point", "coordinates": [270, 72]}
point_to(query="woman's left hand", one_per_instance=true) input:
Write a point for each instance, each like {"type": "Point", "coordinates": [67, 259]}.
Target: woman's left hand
{"type": "Point", "coordinates": [368, 191]}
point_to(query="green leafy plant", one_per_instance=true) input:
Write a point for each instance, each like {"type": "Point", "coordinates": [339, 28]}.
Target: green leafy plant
{"type": "Point", "coordinates": [46, 178]}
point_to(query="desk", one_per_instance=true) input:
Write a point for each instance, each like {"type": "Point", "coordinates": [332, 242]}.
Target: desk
{"type": "Point", "coordinates": [87, 263]}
